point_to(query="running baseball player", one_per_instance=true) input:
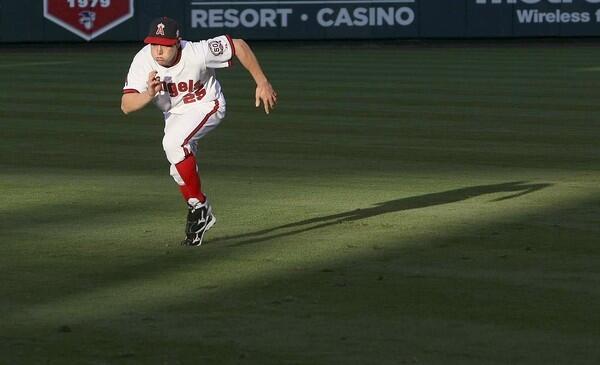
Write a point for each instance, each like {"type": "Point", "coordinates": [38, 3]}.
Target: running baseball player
{"type": "Point", "coordinates": [178, 76]}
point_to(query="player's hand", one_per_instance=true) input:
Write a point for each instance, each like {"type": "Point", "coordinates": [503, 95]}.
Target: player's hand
{"type": "Point", "coordinates": [267, 95]}
{"type": "Point", "coordinates": [154, 84]}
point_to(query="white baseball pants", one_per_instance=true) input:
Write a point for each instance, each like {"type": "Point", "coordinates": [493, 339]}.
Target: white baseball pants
{"type": "Point", "coordinates": [184, 131]}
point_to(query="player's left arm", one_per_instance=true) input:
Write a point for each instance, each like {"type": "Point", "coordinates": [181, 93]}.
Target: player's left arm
{"type": "Point", "coordinates": [264, 90]}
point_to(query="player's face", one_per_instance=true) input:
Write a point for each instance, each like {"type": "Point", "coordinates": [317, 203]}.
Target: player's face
{"type": "Point", "coordinates": [164, 55]}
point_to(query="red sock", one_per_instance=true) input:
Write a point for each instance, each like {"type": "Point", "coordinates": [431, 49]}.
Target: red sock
{"type": "Point", "coordinates": [185, 192]}
{"type": "Point", "coordinates": [189, 174]}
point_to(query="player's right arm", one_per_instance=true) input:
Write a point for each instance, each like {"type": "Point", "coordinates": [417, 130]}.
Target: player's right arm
{"type": "Point", "coordinates": [135, 100]}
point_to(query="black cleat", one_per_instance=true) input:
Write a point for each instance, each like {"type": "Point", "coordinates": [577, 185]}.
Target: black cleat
{"type": "Point", "coordinates": [199, 220]}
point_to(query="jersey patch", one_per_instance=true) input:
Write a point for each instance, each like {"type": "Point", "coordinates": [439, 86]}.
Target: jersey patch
{"type": "Point", "coordinates": [216, 47]}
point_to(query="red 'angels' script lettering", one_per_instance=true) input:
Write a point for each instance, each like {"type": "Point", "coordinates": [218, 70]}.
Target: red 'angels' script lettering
{"type": "Point", "coordinates": [194, 90]}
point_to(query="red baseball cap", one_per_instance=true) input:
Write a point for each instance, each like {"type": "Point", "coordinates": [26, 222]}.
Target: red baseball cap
{"type": "Point", "coordinates": [163, 31]}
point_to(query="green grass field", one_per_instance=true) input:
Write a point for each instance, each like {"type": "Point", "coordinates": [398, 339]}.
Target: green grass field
{"type": "Point", "coordinates": [405, 204]}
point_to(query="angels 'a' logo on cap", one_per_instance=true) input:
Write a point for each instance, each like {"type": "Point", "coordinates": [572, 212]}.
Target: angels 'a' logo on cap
{"type": "Point", "coordinates": [160, 29]}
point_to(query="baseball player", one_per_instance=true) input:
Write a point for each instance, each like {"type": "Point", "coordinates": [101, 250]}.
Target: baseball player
{"type": "Point", "coordinates": [178, 76]}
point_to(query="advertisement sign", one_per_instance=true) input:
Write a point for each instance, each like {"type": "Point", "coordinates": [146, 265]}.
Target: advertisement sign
{"type": "Point", "coordinates": [88, 18]}
{"type": "Point", "coordinates": [351, 19]}
{"type": "Point", "coordinates": [294, 19]}
{"type": "Point", "coordinates": [544, 17]}
{"type": "Point", "coordinates": [299, 19]}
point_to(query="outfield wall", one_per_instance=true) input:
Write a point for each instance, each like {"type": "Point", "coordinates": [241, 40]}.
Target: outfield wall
{"type": "Point", "coordinates": [126, 20]}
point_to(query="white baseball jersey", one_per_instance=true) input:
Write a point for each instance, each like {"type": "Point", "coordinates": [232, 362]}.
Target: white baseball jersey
{"type": "Point", "coordinates": [190, 82]}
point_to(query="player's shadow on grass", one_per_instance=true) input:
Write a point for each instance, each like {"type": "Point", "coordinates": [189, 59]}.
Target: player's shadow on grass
{"type": "Point", "coordinates": [516, 189]}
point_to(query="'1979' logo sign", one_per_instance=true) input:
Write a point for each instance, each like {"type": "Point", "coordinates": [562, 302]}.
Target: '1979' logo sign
{"type": "Point", "coordinates": [83, 4]}
{"type": "Point", "coordinates": [88, 18]}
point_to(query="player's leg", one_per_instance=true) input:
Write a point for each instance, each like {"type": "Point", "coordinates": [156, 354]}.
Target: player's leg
{"type": "Point", "coordinates": [182, 134]}
{"type": "Point", "coordinates": [199, 218]}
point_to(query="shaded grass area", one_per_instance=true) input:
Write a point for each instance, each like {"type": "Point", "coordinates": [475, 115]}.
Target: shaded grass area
{"type": "Point", "coordinates": [431, 205]}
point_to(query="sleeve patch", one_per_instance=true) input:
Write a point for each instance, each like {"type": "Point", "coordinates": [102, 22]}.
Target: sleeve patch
{"type": "Point", "coordinates": [216, 47]}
